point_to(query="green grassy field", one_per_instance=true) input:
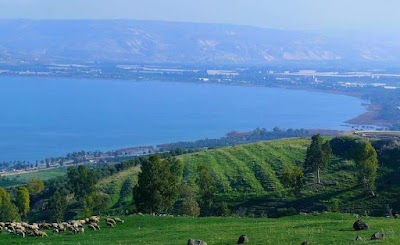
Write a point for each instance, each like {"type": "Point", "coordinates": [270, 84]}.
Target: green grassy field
{"type": "Point", "coordinates": [21, 179]}
{"type": "Point", "coordinates": [317, 229]}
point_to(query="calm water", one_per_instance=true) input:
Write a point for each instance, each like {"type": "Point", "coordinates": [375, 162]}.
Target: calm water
{"type": "Point", "coordinates": [50, 117]}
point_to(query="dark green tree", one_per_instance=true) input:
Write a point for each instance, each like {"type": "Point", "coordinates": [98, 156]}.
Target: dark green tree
{"type": "Point", "coordinates": [57, 206]}
{"type": "Point", "coordinates": [207, 188]}
{"type": "Point", "coordinates": [22, 200]}
{"type": "Point", "coordinates": [318, 156]}
{"type": "Point", "coordinates": [157, 188]}
{"type": "Point", "coordinates": [81, 180]}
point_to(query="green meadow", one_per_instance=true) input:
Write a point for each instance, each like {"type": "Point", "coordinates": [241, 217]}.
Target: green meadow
{"type": "Point", "coordinates": [328, 228]}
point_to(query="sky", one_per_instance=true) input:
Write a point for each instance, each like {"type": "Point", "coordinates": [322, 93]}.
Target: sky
{"type": "Point", "coordinates": [280, 14]}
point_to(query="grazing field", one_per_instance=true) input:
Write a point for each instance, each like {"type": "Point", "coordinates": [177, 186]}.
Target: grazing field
{"type": "Point", "coordinates": [326, 228]}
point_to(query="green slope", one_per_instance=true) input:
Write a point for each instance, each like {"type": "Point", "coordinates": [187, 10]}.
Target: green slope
{"type": "Point", "coordinates": [250, 181]}
{"type": "Point", "coordinates": [119, 186]}
{"type": "Point", "coordinates": [248, 168]}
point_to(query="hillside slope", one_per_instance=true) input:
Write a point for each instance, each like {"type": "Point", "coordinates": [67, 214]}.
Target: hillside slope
{"type": "Point", "coordinates": [119, 187]}
{"type": "Point", "coordinates": [249, 179]}
{"type": "Point", "coordinates": [248, 168]}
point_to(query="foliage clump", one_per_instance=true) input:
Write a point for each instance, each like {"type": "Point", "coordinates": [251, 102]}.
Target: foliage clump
{"type": "Point", "coordinates": [157, 188]}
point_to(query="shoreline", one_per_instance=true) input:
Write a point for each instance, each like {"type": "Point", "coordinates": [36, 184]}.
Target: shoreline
{"type": "Point", "coordinates": [368, 118]}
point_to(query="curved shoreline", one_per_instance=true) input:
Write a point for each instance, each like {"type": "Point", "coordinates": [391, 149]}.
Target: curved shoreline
{"type": "Point", "coordinates": [368, 118]}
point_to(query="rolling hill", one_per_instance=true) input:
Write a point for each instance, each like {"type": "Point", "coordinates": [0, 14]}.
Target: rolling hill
{"type": "Point", "coordinates": [249, 180]}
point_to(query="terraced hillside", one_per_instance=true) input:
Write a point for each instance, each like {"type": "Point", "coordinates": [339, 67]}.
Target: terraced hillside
{"type": "Point", "coordinates": [248, 168]}
{"type": "Point", "coordinates": [249, 179]}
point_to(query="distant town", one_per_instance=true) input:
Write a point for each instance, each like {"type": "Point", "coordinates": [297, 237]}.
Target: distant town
{"type": "Point", "coordinates": [265, 76]}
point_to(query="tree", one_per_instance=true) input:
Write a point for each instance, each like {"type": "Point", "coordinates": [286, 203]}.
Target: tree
{"type": "Point", "coordinates": [56, 206]}
{"type": "Point", "coordinates": [367, 165]}
{"type": "Point", "coordinates": [207, 187]}
{"type": "Point", "coordinates": [8, 211]}
{"type": "Point", "coordinates": [344, 146]}
{"type": "Point", "coordinates": [22, 200]}
{"type": "Point", "coordinates": [157, 188]}
{"type": "Point", "coordinates": [363, 154]}
{"type": "Point", "coordinates": [35, 185]}
{"type": "Point", "coordinates": [293, 178]}
{"type": "Point", "coordinates": [318, 155]}
{"type": "Point", "coordinates": [81, 181]}
{"type": "Point", "coordinates": [189, 204]}
{"type": "Point", "coordinates": [98, 201]}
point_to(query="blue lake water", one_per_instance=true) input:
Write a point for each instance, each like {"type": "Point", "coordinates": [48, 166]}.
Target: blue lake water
{"type": "Point", "coordinates": [42, 117]}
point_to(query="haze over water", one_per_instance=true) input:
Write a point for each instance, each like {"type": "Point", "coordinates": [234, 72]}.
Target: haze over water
{"type": "Point", "coordinates": [42, 118]}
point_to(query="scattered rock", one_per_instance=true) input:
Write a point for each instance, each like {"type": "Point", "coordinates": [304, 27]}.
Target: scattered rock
{"type": "Point", "coordinates": [196, 242]}
{"type": "Point", "coordinates": [377, 236]}
{"type": "Point", "coordinates": [358, 238]}
{"type": "Point", "coordinates": [360, 225]}
{"type": "Point", "coordinates": [243, 239]}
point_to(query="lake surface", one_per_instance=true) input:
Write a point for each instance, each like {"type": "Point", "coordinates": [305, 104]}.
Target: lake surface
{"type": "Point", "coordinates": [42, 117]}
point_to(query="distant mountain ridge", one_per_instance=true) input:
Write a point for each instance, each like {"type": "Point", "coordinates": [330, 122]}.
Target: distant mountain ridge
{"type": "Point", "coordinates": [177, 43]}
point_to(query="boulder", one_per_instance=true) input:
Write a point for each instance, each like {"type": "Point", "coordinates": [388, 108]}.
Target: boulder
{"type": "Point", "coordinates": [360, 225]}
{"type": "Point", "coordinates": [243, 239]}
{"type": "Point", "coordinates": [377, 236]}
{"type": "Point", "coordinates": [358, 238]}
{"type": "Point", "coordinates": [196, 242]}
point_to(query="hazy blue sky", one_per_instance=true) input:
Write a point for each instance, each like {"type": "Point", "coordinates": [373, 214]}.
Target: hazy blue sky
{"type": "Point", "coordinates": [285, 14]}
